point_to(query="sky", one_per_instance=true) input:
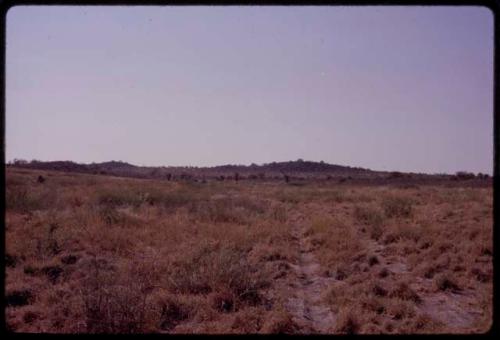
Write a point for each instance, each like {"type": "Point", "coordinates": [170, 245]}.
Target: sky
{"type": "Point", "coordinates": [385, 88]}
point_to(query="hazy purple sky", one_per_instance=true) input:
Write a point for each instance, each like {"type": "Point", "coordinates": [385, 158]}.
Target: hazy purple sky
{"type": "Point", "coordinates": [387, 88]}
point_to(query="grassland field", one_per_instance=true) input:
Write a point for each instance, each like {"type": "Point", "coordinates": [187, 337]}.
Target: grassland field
{"type": "Point", "coordinates": [101, 254]}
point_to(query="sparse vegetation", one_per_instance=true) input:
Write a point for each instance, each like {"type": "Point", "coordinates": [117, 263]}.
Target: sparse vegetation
{"type": "Point", "coordinates": [397, 206]}
{"type": "Point", "coordinates": [102, 254]}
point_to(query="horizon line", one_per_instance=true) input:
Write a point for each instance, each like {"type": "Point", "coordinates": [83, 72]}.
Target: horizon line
{"type": "Point", "coordinates": [11, 162]}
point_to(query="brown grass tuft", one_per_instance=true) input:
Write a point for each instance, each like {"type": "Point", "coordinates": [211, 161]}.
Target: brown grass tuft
{"type": "Point", "coordinates": [347, 322]}
{"type": "Point", "coordinates": [397, 206]}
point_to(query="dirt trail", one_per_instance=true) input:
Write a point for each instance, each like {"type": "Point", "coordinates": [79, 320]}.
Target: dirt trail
{"type": "Point", "coordinates": [305, 306]}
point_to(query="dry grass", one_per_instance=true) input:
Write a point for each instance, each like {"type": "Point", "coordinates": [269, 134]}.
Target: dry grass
{"type": "Point", "coordinates": [88, 253]}
{"type": "Point", "coordinates": [410, 248]}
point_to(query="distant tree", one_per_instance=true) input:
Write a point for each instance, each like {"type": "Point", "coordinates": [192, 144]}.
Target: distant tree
{"type": "Point", "coordinates": [396, 174]}
{"type": "Point", "coordinates": [20, 161]}
{"type": "Point", "coordinates": [300, 160]}
{"type": "Point", "coordinates": [236, 176]}
{"type": "Point", "coordinates": [464, 175]}
{"type": "Point", "coordinates": [482, 176]}
{"type": "Point", "coordinates": [287, 178]}
{"type": "Point", "coordinates": [169, 176]}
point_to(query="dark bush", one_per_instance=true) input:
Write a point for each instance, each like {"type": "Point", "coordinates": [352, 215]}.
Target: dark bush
{"type": "Point", "coordinates": [348, 324]}
{"type": "Point", "coordinates": [463, 175]}
{"type": "Point", "coordinates": [69, 259]}
{"type": "Point", "coordinates": [29, 270]}
{"type": "Point", "coordinates": [10, 260]}
{"type": "Point", "coordinates": [173, 312]}
{"type": "Point", "coordinates": [379, 290]}
{"type": "Point", "coordinates": [18, 298]}
{"type": "Point", "coordinates": [396, 174]}
{"type": "Point", "coordinates": [404, 292]}
{"type": "Point", "coordinates": [481, 276]}
{"type": "Point", "coordinates": [384, 272]}
{"type": "Point", "coordinates": [373, 260]}
{"type": "Point", "coordinates": [52, 273]}
{"type": "Point", "coordinates": [223, 302]}
{"type": "Point", "coordinates": [29, 317]}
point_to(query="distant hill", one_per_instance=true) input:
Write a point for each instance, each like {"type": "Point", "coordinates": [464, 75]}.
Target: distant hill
{"type": "Point", "coordinates": [312, 167]}
{"type": "Point", "coordinates": [293, 170]}
{"type": "Point", "coordinates": [297, 168]}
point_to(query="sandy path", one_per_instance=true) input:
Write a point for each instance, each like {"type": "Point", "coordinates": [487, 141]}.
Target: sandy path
{"type": "Point", "coordinates": [305, 306]}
